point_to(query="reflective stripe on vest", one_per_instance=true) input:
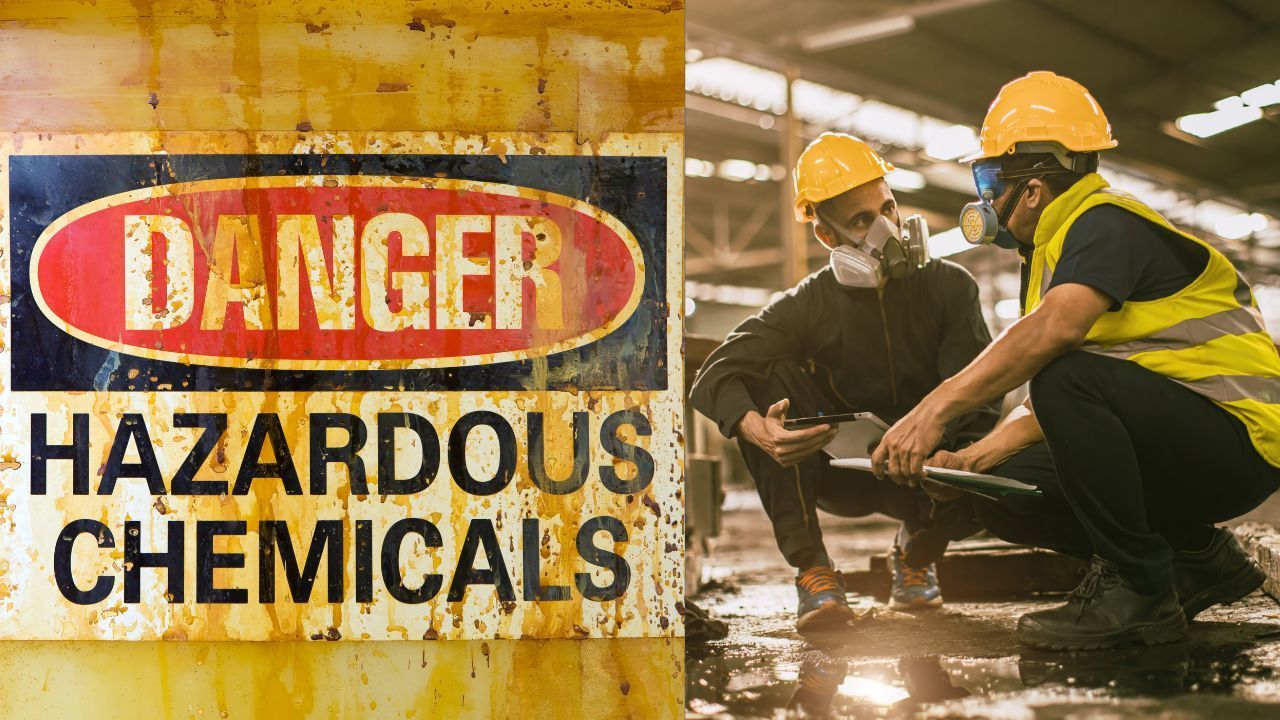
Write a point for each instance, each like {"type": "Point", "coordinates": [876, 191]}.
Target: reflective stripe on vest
{"type": "Point", "coordinates": [1208, 337]}
{"type": "Point", "coordinates": [1234, 388]}
{"type": "Point", "coordinates": [1193, 331]}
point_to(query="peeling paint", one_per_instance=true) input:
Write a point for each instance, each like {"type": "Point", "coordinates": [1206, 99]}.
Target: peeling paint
{"type": "Point", "coordinates": [652, 560]}
{"type": "Point", "coordinates": [416, 680]}
{"type": "Point", "coordinates": [528, 79]}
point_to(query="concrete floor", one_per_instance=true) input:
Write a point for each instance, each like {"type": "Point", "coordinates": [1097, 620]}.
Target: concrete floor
{"type": "Point", "coordinates": [958, 662]}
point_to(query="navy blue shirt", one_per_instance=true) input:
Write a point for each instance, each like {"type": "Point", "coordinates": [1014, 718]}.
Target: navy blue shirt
{"type": "Point", "coordinates": [1126, 257]}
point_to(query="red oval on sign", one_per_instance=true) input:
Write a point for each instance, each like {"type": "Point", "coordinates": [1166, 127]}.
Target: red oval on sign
{"type": "Point", "coordinates": [338, 272]}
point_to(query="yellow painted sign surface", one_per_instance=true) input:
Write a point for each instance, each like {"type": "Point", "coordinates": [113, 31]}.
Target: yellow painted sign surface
{"type": "Point", "coordinates": [622, 678]}
{"type": "Point", "coordinates": [399, 484]}
{"type": "Point", "coordinates": [508, 84]}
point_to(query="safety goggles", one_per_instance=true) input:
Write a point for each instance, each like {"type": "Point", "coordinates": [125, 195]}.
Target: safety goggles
{"type": "Point", "coordinates": [987, 178]}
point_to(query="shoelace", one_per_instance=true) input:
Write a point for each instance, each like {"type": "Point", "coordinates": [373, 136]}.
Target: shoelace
{"type": "Point", "coordinates": [915, 576]}
{"type": "Point", "coordinates": [911, 575]}
{"type": "Point", "coordinates": [1093, 584]}
{"type": "Point", "coordinates": [814, 582]}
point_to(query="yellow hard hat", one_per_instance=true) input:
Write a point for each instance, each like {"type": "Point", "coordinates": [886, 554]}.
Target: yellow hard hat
{"type": "Point", "coordinates": [1043, 107]}
{"type": "Point", "coordinates": [833, 164]}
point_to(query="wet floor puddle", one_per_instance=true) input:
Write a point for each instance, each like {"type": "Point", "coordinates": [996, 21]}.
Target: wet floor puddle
{"type": "Point", "coordinates": [959, 662]}
{"type": "Point", "coordinates": [792, 679]}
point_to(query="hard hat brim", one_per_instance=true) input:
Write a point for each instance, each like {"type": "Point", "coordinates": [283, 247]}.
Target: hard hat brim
{"type": "Point", "coordinates": [983, 155]}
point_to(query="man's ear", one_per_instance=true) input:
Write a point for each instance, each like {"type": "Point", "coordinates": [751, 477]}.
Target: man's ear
{"type": "Point", "coordinates": [825, 236]}
{"type": "Point", "coordinates": [1035, 194]}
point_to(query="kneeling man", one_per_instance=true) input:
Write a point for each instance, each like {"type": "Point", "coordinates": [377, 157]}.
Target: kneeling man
{"type": "Point", "coordinates": [1155, 389]}
{"type": "Point", "coordinates": [872, 332]}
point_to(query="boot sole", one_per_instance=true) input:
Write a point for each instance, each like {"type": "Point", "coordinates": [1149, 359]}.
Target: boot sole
{"type": "Point", "coordinates": [1164, 632]}
{"type": "Point", "coordinates": [1246, 581]}
{"type": "Point", "coordinates": [826, 618]}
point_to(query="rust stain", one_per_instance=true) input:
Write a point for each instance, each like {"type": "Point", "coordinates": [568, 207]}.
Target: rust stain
{"type": "Point", "coordinates": [434, 19]}
{"type": "Point", "coordinates": [341, 49]}
{"type": "Point", "coordinates": [525, 78]}
{"type": "Point", "coordinates": [652, 550]}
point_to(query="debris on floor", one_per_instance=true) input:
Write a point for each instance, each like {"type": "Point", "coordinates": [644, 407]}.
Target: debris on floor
{"type": "Point", "coordinates": [961, 661]}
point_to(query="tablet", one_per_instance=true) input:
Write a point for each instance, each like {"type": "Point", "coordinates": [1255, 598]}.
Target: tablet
{"type": "Point", "coordinates": [804, 422]}
{"type": "Point", "coordinates": [857, 438]}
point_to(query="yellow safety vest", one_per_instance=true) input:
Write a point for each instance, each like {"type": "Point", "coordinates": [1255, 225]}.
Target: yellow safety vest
{"type": "Point", "coordinates": [1208, 336]}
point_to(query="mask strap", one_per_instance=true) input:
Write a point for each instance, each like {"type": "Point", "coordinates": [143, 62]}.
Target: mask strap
{"type": "Point", "coordinates": [844, 234]}
{"type": "Point", "coordinates": [860, 244]}
{"type": "Point", "coordinates": [1002, 219]}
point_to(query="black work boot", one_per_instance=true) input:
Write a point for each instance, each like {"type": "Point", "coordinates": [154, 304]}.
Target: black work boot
{"type": "Point", "coordinates": [1104, 611]}
{"type": "Point", "coordinates": [1221, 573]}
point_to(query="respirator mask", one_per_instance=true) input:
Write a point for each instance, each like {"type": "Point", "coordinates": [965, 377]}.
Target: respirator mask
{"type": "Point", "coordinates": [886, 251]}
{"type": "Point", "coordinates": [980, 223]}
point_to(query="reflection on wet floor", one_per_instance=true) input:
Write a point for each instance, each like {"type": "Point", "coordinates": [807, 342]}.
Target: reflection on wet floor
{"type": "Point", "coordinates": [961, 662]}
{"type": "Point", "coordinates": [1189, 680]}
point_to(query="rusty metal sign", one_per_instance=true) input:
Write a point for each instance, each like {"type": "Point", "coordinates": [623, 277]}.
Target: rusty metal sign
{"type": "Point", "coordinates": [357, 386]}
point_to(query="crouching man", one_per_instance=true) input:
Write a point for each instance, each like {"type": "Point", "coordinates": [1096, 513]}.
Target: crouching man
{"type": "Point", "coordinates": [1155, 389]}
{"type": "Point", "coordinates": [874, 331]}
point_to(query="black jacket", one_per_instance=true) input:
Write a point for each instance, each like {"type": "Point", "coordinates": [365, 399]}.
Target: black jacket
{"type": "Point", "coordinates": [869, 350]}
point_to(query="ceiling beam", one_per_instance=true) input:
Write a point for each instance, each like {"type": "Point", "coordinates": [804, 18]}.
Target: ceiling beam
{"type": "Point", "coordinates": [1258, 34]}
{"type": "Point", "coordinates": [747, 260]}
{"type": "Point", "coordinates": [897, 94]}
{"type": "Point", "coordinates": [828, 37]}
{"type": "Point", "coordinates": [1162, 68]}
{"type": "Point", "coordinates": [777, 58]}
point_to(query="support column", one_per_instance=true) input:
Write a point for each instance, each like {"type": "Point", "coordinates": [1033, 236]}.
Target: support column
{"type": "Point", "coordinates": [795, 236]}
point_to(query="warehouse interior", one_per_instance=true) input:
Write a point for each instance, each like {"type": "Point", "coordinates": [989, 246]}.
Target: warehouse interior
{"type": "Point", "coordinates": [1192, 91]}
{"type": "Point", "coordinates": [1189, 87]}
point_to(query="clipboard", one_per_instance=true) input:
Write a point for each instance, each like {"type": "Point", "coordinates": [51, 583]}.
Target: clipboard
{"type": "Point", "coordinates": [992, 487]}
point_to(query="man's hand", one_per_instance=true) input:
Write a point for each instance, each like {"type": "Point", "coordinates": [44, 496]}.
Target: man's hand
{"type": "Point", "coordinates": [944, 459]}
{"type": "Point", "coordinates": [903, 449]}
{"type": "Point", "coordinates": [786, 447]}
{"type": "Point", "coordinates": [1058, 325]}
{"type": "Point", "coordinates": [952, 461]}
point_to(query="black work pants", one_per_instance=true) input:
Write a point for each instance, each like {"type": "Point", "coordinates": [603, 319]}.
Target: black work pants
{"type": "Point", "coordinates": [792, 495]}
{"type": "Point", "coordinates": [1144, 467]}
